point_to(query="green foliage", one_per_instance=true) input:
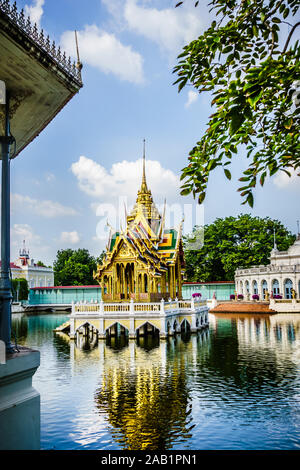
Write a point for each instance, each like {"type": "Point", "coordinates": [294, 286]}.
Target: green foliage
{"type": "Point", "coordinates": [74, 268]}
{"type": "Point", "coordinates": [232, 243]}
{"type": "Point", "coordinates": [20, 289]}
{"type": "Point", "coordinates": [101, 257]}
{"type": "Point", "coordinates": [41, 264]}
{"type": "Point", "coordinates": [248, 61]}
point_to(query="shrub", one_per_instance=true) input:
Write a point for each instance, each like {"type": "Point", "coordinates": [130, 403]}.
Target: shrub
{"type": "Point", "coordinates": [19, 289]}
{"type": "Point", "coordinates": [240, 296]}
{"type": "Point", "coordinates": [232, 296]}
{"type": "Point", "coordinates": [255, 297]}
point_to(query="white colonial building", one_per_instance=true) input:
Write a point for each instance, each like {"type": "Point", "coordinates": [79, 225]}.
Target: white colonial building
{"type": "Point", "coordinates": [280, 277]}
{"type": "Point", "coordinates": [36, 276]}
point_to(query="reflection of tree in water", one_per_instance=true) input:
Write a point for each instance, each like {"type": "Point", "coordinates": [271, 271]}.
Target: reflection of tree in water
{"type": "Point", "coordinates": [147, 406]}
{"type": "Point", "coordinates": [19, 326]}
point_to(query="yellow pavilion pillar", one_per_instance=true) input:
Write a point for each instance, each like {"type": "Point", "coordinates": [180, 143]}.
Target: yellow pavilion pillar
{"type": "Point", "coordinates": [179, 280]}
{"type": "Point", "coordinates": [163, 283]}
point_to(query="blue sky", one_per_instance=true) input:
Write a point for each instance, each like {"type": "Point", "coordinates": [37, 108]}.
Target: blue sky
{"type": "Point", "coordinates": [67, 183]}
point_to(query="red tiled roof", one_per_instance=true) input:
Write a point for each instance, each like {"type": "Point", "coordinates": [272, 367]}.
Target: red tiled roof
{"type": "Point", "coordinates": [12, 266]}
{"type": "Point", "coordinates": [65, 287]}
{"type": "Point", "coordinates": [211, 282]}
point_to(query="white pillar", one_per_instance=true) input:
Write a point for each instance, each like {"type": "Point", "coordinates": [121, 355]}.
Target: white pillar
{"type": "Point", "coordinates": [132, 333]}
{"type": "Point", "coordinates": [193, 323]}
{"type": "Point", "coordinates": [162, 307]}
{"type": "Point", "coordinates": [101, 334]}
{"type": "Point", "coordinates": [163, 333]}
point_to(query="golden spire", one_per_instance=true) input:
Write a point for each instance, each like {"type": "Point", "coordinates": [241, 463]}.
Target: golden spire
{"type": "Point", "coordinates": [144, 194]}
{"type": "Point", "coordinates": [144, 201]}
{"type": "Point", "coordinates": [144, 188]}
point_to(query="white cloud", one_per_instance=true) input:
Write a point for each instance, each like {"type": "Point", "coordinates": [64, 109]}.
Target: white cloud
{"type": "Point", "coordinates": [114, 189]}
{"type": "Point", "coordinates": [70, 237]}
{"type": "Point", "coordinates": [20, 232]}
{"type": "Point", "coordinates": [37, 247]}
{"type": "Point", "coordinates": [44, 208]}
{"type": "Point", "coordinates": [123, 179]}
{"type": "Point", "coordinates": [50, 177]}
{"type": "Point", "coordinates": [105, 52]}
{"type": "Point", "coordinates": [192, 97]}
{"type": "Point", "coordinates": [35, 11]}
{"type": "Point", "coordinates": [170, 28]}
{"type": "Point", "coordinates": [283, 181]}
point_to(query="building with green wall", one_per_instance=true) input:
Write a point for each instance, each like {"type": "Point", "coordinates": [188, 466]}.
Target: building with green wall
{"type": "Point", "coordinates": [65, 295]}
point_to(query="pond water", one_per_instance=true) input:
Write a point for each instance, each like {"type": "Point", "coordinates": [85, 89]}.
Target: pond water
{"type": "Point", "coordinates": [235, 385]}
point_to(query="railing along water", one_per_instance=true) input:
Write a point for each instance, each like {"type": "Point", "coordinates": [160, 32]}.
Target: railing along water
{"type": "Point", "coordinates": [104, 308]}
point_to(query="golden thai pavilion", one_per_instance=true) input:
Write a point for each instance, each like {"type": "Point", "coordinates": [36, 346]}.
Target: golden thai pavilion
{"type": "Point", "coordinates": [145, 261]}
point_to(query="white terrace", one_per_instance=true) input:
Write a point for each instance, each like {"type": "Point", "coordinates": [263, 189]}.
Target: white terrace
{"type": "Point", "coordinates": [166, 317]}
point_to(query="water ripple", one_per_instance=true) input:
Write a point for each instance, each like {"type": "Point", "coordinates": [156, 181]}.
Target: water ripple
{"type": "Point", "coordinates": [237, 387]}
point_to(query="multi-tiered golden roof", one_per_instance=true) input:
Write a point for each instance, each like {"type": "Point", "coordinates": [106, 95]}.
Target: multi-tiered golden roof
{"type": "Point", "coordinates": [145, 261]}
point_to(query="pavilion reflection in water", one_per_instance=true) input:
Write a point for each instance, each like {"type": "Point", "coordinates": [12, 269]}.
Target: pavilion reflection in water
{"type": "Point", "coordinates": [145, 396]}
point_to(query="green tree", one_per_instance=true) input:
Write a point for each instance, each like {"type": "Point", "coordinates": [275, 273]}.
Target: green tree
{"type": "Point", "coordinates": [234, 242]}
{"type": "Point", "coordinates": [74, 267]}
{"type": "Point", "coordinates": [20, 289]}
{"type": "Point", "coordinates": [249, 61]}
{"type": "Point", "coordinates": [41, 264]}
{"type": "Point", "coordinates": [101, 257]}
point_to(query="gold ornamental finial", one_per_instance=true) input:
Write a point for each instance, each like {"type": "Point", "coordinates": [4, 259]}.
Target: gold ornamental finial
{"type": "Point", "coordinates": [144, 183]}
{"type": "Point", "coordinates": [79, 63]}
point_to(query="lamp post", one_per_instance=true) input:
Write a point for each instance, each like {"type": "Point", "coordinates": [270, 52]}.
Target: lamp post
{"type": "Point", "coordinates": [40, 81]}
{"type": "Point", "coordinates": [5, 282]}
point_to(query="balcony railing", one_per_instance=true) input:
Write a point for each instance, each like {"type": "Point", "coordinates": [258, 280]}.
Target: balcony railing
{"type": "Point", "coordinates": [270, 269]}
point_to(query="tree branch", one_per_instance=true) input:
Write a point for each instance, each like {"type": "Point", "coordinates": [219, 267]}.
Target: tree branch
{"type": "Point", "coordinates": [289, 36]}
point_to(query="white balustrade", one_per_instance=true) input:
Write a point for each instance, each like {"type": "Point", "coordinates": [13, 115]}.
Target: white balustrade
{"type": "Point", "coordinates": [136, 308]}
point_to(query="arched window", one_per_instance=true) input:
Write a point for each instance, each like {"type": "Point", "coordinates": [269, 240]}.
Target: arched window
{"type": "Point", "coordinates": [264, 286]}
{"type": "Point", "coordinates": [288, 285]}
{"type": "Point", "coordinates": [275, 287]}
{"type": "Point", "coordinates": [255, 289]}
{"type": "Point", "coordinates": [247, 287]}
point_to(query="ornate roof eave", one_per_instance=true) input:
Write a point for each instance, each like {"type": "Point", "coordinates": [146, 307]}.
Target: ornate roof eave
{"type": "Point", "coordinates": [43, 81]}
{"type": "Point", "coordinates": [151, 254]}
{"type": "Point", "coordinates": [179, 234]}
{"type": "Point", "coordinates": [144, 243]}
{"type": "Point", "coordinates": [162, 224]}
{"type": "Point", "coordinates": [147, 256]}
{"type": "Point", "coordinates": [40, 44]}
